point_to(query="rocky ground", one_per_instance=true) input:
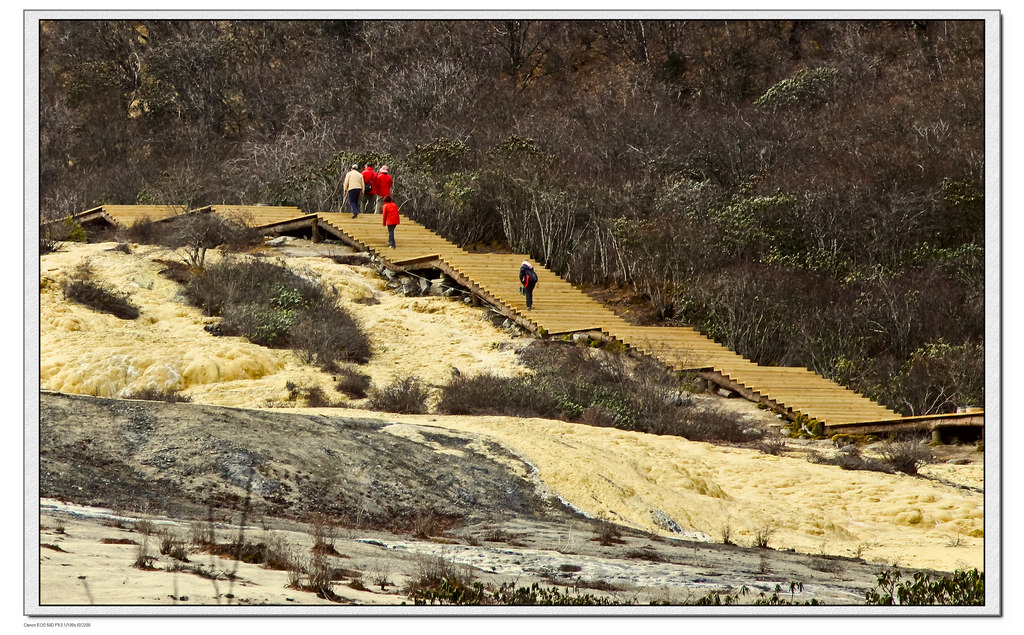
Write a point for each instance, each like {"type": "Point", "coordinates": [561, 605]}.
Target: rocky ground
{"type": "Point", "coordinates": [120, 478]}
{"type": "Point", "coordinates": [140, 501]}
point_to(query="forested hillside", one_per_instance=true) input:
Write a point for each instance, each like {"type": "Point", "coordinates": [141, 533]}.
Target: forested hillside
{"type": "Point", "coordinates": [806, 192]}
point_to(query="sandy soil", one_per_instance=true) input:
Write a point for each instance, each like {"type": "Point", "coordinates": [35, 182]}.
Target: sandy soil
{"type": "Point", "coordinates": [668, 487]}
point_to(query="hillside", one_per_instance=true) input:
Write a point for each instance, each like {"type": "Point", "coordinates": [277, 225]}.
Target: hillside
{"type": "Point", "coordinates": [808, 192]}
{"type": "Point", "coordinates": [386, 472]}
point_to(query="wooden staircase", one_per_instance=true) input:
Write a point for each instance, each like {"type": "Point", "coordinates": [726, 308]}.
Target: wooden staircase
{"type": "Point", "coordinates": [559, 307]}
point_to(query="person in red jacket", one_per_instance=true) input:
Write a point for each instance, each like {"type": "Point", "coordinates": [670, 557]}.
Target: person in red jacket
{"type": "Point", "coordinates": [369, 187]}
{"type": "Point", "coordinates": [382, 187]}
{"type": "Point", "coordinates": [390, 219]}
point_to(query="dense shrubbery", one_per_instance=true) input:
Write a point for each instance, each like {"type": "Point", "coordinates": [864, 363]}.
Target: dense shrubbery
{"type": "Point", "coordinates": [273, 306]}
{"type": "Point", "coordinates": [810, 192]}
{"type": "Point", "coordinates": [570, 383]}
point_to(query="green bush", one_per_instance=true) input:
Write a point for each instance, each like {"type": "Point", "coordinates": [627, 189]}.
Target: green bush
{"type": "Point", "coordinates": [962, 588]}
{"type": "Point", "coordinates": [808, 87]}
{"type": "Point", "coordinates": [273, 306]}
{"type": "Point", "coordinates": [73, 231]}
{"type": "Point", "coordinates": [575, 384]}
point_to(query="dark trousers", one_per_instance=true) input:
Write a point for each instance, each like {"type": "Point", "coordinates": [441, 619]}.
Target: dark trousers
{"type": "Point", "coordinates": [353, 201]}
{"type": "Point", "coordinates": [529, 296]}
{"type": "Point", "coordinates": [391, 235]}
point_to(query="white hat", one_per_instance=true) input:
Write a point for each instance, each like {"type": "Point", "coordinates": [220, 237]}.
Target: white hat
{"type": "Point", "coordinates": [526, 263]}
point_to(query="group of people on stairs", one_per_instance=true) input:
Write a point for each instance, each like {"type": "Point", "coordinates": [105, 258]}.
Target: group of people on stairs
{"type": "Point", "coordinates": [371, 190]}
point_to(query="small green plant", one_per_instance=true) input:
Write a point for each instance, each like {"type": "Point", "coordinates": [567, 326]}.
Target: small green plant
{"type": "Point", "coordinates": [324, 533]}
{"type": "Point", "coordinates": [804, 426]}
{"type": "Point", "coordinates": [73, 231]}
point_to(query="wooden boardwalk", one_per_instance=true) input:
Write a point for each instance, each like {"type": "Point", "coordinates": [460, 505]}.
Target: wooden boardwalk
{"type": "Point", "coordinates": [561, 308]}
{"type": "Point", "coordinates": [127, 215]}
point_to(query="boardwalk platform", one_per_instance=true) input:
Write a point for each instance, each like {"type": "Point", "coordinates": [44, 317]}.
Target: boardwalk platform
{"type": "Point", "coordinates": [123, 216]}
{"type": "Point", "coordinates": [128, 215]}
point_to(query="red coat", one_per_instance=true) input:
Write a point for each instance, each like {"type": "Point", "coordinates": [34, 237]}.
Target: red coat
{"type": "Point", "coordinates": [390, 214]}
{"type": "Point", "coordinates": [382, 184]}
{"type": "Point", "coordinates": [370, 180]}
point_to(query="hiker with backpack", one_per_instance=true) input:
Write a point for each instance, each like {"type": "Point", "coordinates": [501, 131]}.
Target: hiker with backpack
{"type": "Point", "coordinates": [528, 280]}
{"type": "Point", "coordinates": [390, 219]}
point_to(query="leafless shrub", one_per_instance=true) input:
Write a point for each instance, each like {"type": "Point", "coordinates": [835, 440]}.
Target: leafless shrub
{"type": "Point", "coordinates": [433, 571]}
{"type": "Point", "coordinates": [726, 533]}
{"type": "Point", "coordinates": [324, 532]}
{"type": "Point", "coordinates": [142, 558]}
{"type": "Point", "coordinates": [194, 234]}
{"type": "Point", "coordinates": [703, 424]}
{"type": "Point", "coordinates": [320, 577]}
{"type": "Point", "coordinates": [313, 396]}
{"type": "Point", "coordinates": [404, 396]}
{"type": "Point", "coordinates": [849, 459]}
{"type": "Point", "coordinates": [773, 447]}
{"type": "Point", "coordinates": [607, 534]}
{"type": "Point", "coordinates": [906, 455]}
{"type": "Point", "coordinates": [202, 533]}
{"type": "Point", "coordinates": [81, 288]}
{"type": "Point", "coordinates": [156, 393]}
{"type": "Point", "coordinates": [353, 383]}
{"type": "Point", "coordinates": [762, 535]}
{"type": "Point", "coordinates": [646, 553]}
{"type": "Point", "coordinates": [173, 546]}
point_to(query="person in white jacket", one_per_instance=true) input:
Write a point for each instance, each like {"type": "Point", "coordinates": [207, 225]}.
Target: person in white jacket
{"type": "Point", "coordinates": [353, 189]}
